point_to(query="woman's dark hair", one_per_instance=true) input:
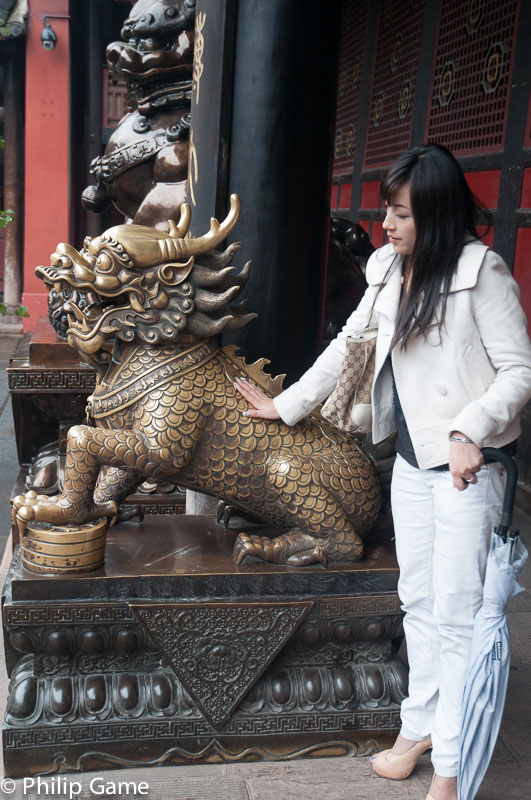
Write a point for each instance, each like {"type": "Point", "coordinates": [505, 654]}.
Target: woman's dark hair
{"type": "Point", "coordinates": [445, 213]}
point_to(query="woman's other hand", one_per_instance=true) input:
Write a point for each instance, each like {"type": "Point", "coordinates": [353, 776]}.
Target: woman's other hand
{"type": "Point", "coordinates": [465, 461]}
{"type": "Point", "coordinates": [262, 405]}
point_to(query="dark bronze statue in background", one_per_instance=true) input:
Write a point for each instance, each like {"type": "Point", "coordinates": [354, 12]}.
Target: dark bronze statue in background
{"type": "Point", "coordinates": [349, 248]}
{"type": "Point", "coordinates": [165, 406]}
{"type": "Point", "coordinates": [145, 164]}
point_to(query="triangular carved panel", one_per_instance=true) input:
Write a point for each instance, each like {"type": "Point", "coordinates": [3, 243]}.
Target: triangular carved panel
{"type": "Point", "coordinates": [219, 650]}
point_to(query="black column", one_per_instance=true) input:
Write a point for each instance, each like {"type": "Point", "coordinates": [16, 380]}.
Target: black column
{"type": "Point", "coordinates": [211, 109]}
{"type": "Point", "coordinates": [513, 153]}
{"type": "Point", "coordinates": [423, 81]}
{"type": "Point", "coordinates": [92, 133]}
{"type": "Point", "coordinates": [276, 155]}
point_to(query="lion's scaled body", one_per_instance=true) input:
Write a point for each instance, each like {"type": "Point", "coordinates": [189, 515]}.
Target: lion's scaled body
{"type": "Point", "coordinates": [145, 307]}
{"type": "Point", "coordinates": [307, 476]}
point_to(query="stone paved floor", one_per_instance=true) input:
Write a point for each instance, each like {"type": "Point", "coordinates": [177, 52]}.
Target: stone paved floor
{"type": "Point", "coordinates": [508, 778]}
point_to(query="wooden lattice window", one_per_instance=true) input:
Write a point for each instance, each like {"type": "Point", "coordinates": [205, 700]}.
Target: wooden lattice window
{"type": "Point", "coordinates": [393, 89]}
{"type": "Point", "coordinates": [113, 100]}
{"type": "Point", "coordinates": [353, 30]}
{"type": "Point", "coordinates": [471, 75]}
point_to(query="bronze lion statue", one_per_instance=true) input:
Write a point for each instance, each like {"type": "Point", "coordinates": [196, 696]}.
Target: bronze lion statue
{"type": "Point", "coordinates": [144, 307]}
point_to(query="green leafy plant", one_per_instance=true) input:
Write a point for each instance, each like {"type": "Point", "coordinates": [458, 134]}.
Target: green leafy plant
{"type": "Point", "coordinates": [6, 217]}
{"type": "Point", "coordinates": [20, 311]}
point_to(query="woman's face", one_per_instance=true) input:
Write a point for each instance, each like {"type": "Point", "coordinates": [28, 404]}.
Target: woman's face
{"type": "Point", "coordinates": [399, 223]}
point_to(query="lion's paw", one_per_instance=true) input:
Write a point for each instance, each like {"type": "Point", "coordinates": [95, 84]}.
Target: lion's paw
{"type": "Point", "coordinates": [57, 510]}
{"type": "Point", "coordinates": [295, 549]}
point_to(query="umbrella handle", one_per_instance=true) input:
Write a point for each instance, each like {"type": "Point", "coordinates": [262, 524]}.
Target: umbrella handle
{"type": "Point", "coordinates": [492, 453]}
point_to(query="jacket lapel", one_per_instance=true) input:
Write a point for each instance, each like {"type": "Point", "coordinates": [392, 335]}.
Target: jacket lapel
{"type": "Point", "coordinates": [470, 260]}
{"type": "Point", "coordinates": [386, 274]}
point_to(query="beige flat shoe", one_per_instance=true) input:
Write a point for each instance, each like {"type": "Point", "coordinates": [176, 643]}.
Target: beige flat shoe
{"type": "Point", "coordinates": [398, 767]}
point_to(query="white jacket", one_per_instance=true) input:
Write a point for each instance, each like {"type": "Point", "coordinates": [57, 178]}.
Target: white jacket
{"type": "Point", "coordinates": [473, 377]}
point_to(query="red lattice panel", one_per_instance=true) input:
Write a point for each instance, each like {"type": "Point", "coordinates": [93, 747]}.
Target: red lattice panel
{"type": "Point", "coordinates": [471, 75]}
{"type": "Point", "coordinates": [353, 29]}
{"type": "Point", "coordinates": [393, 90]}
{"type": "Point", "coordinates": [113, 100]}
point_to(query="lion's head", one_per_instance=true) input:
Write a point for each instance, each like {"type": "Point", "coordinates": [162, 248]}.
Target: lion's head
{"type": "Point", "coordinates": [135, 282]}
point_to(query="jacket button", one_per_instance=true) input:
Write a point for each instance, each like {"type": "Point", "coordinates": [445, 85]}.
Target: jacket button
{"type": "Point", "coordinates": [441, 389]}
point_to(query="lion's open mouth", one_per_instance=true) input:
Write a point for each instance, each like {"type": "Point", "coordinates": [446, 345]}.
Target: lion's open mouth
{"type": "Point", "coordinates": [79, 309]}
{"type": "Point", "coordinates": [62, 300]}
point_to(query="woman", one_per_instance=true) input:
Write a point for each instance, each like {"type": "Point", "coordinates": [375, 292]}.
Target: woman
{"type": "Point", "coordinates": [453, 369]}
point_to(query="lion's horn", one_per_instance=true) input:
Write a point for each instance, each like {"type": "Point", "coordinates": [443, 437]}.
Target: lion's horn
{"type": "Point", "coordinates": [218, 231]}
{"type": "Point", "coordinates": [179, 231]}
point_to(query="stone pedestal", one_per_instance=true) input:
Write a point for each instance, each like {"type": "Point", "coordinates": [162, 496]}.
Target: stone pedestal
{"type": "Point", "coordinates": [170, 654]}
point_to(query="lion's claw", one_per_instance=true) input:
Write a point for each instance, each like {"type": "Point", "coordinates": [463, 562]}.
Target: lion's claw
{"type": "Point", "coordinates": [247, 545]}
{"type": "Point", "coordinates": [295, 549]}
{"type": "Point", "coordinates": [226, 511]}
{"type": "Point", "coordinates": [57, 510]}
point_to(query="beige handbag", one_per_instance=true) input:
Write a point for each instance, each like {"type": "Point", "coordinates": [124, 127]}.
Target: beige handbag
{"type": "Point", "coordinates": [349, 405]}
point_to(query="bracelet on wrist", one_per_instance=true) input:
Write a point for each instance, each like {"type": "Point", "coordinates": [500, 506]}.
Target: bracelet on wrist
{"type": "Point", "coordinates": [463, 439]}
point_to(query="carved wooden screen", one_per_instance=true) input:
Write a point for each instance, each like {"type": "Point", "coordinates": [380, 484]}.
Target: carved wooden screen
{"type": "Point", "coordinates": [395, 69]}
{"type": "Point", "coordinates": [353, 27]}
{"type": "Point", "coordinates": [471, 75]}
{"type": "Point", "coordinates": [351, 53]}
{"type": "Point", "coordinates": [113, 100]}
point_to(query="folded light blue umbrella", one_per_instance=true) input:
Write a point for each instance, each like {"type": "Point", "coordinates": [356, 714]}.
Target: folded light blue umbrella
{"type": "Point", "coordinates": [488, 671]}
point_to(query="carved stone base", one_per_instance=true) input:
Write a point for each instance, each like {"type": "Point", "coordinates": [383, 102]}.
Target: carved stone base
{"type": "Point", "coordinates": [171, 654]}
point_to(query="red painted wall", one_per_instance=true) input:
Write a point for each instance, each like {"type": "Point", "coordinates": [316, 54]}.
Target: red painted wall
{"type": "Point", "coordinates": [525, 198]}
{"type": "Point", "coordinates": [522, 270]}
{"type": "Point", "coordinates": [345, 194]}
{"type": "Point", "coordinates": [485, 186]}
{"type": "Point", "coordinates": [370, 194]}
{"type": "Point", "coordinates": [47, 170]}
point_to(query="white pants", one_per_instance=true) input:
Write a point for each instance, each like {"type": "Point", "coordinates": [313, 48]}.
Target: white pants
{"type": "Point", "coordinates": [442, 540]}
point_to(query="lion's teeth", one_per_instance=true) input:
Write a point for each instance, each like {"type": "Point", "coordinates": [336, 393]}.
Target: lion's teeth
{"type": "Point", "coordinates": [84, 326]}
{"type": "Point", "coordinates": [77, 312]}
{"type": "Point", "coordinates": [135, 303]}
{"type": "Point", "coordinates": [58, 286]}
